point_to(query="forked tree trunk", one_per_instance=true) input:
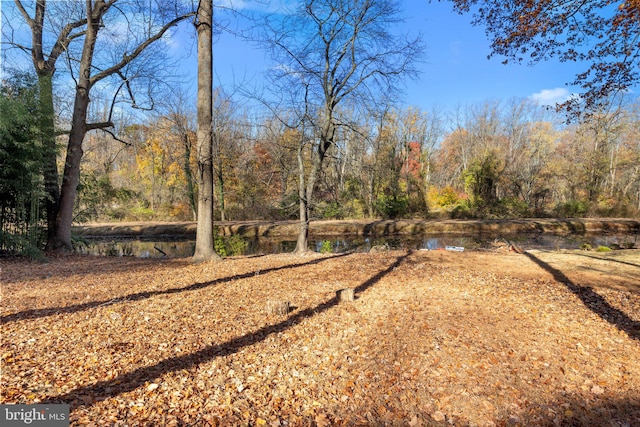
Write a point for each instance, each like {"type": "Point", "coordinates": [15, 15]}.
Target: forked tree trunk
{"type": "Point", "coordinates": [204, 232]}
{"type": "Point", "coordinates": [71, 177]}
{"type": "Point", "coordinates": [60, 202]}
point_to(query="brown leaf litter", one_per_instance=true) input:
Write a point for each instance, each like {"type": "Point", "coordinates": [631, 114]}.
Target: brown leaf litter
{"type": "Point", "coordinates": [432, 338]}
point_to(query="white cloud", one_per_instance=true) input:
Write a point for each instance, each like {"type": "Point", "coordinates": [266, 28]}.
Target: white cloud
{"type": "Point", "coordinates": [551, 96]}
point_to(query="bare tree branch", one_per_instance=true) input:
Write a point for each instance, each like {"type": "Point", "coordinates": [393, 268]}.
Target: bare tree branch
{"type": "Point", "coordinates": [113, 135]}
{"type": "Point", "coordinates": [126, 59]}
{"type": "Point", "coordinates": [99, 125]}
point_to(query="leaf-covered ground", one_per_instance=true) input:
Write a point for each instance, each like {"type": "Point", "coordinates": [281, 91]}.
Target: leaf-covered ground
{"type": "Point", "coordinates": [432, 338]}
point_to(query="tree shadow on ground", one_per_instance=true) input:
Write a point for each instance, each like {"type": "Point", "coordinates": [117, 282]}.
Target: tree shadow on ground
{"type": "Point", "coordinates": [579, 411]}
{"type": "Point", "coordinates": [608, 259]}
{"type": "Point", "coordinates": [51, 311]}
{"type": "Point", "coordinates": [131, 380]}
{"type": "Point", "coordinates": [75, 264]}
{"type": "Point", "coordinates": [593, 301]}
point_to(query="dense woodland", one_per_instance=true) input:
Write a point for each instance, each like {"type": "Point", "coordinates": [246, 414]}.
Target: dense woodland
{"type": "Point", "coordinates": [496, 159]}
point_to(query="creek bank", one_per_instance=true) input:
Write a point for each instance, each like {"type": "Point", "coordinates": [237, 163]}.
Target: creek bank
{"type": "Point", "coordinates": [369, 228]}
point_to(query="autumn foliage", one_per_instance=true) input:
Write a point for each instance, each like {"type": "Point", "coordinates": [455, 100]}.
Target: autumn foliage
{"type": "Point", "coordinates": [501, 159]}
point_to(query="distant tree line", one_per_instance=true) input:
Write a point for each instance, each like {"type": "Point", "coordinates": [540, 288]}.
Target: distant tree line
{"type": "Point", "coordinates": [491, 160]}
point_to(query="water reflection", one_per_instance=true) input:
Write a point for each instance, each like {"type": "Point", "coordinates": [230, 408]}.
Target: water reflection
{"type": "Point", "coordinates": [169, 247]}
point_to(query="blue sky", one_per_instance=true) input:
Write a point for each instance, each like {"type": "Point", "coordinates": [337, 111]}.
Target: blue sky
{"type": "Point", "coordinates": [456, 71]}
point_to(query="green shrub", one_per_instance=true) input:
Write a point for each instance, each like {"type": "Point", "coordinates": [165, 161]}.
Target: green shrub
{"type": "Point", "coordinates": [462, 210]}
{"type": "Point", "coordinates": [604, 249]}
{"type": "Point", "coordinates": [141, 213]}
{"type": "Point", "coordinates": [481, 181]}
{"type": "Point", "coordinates": [571, 209]}
{"type": "Point", "coordinates": [21, 244]}
{"type": "Point", "coordinates": [326, 247]}
{"type": "Point", "coordinates": [393, 206]}
{"type": "Point", "coordinates": [236, 245]}
{"type": "Point", "coordinates": [230, 246]}
{"type": "Point", "coordinates": [512, 207]}
{"type": "Point", "coordinates": [331, 210]}
{"type": "Point", "coordinates": [22, 155]}
{"type": "Point", "coordinates": [219, 246]}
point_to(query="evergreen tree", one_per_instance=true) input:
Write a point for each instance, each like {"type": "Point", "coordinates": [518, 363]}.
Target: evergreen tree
{"type": "Point", "coordinates": [21, 161]}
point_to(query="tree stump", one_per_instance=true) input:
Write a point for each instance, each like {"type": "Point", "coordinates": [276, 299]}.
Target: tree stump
{"type": "Point", "coordinates": [345, 294]}
{"type": "Point", "coordinates": [278, 307]}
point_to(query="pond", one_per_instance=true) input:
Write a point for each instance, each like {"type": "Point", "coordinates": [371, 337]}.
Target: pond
{"type": "Point", "coordinates": [172, 246]}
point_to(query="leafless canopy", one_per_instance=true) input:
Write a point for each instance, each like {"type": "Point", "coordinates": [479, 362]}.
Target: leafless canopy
{"type": "Point", "coordinates": [342, 49]}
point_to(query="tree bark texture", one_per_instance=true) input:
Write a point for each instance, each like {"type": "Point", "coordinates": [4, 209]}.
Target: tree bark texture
{"type": "Point", "coordinates": [302, 244]}
{"type": "Point", "coordinates": [204, 249]}
{"type": "Point", "coordinates": [50, 172]}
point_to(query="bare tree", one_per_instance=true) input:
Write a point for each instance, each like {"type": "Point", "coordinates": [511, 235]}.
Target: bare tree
{"type": "Point", "coordinates": [204, 176]}
{"type": "Point", "coordinates": [118, 53]}
{"type": "Point", "coordinates": [330, 51]}
{"type": "Point", "coordinates": [182, 117]}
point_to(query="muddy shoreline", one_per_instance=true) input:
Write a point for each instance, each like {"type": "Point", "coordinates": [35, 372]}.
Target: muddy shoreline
{"type": "Point", "coordinates": [368, 228]}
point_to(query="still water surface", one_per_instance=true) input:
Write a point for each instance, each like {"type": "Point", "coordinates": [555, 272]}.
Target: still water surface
{"type": "Point", "coordinates": [172, 247]}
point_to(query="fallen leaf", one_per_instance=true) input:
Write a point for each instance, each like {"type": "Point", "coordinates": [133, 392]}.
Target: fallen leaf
{"type": "Point", "coordinates": [438, 416]}
{"type": "Point", "coordinates": [322, 420]}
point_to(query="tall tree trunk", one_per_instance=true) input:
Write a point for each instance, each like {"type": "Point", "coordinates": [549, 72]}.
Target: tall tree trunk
{"type": "Point", "coordinates": [50, 165]}
{"type": "Point", "coordinates": [45, 69]}
{"type": "Point", "coordinates": [326, 140]}
{"type": "Point", "coordinates": [221, 191]}
{"type": "Point", "coordinates": [186, 167]}
{"type": "Point", "coordinates": [302, 244]}
{"type": "Point", "coordinates": [204, 232]}
{"type": "Point", "coordinates": [71, 177]}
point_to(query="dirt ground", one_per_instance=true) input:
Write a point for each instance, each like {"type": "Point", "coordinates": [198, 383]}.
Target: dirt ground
{"type": "Point", "coordinates": [432, 338]}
